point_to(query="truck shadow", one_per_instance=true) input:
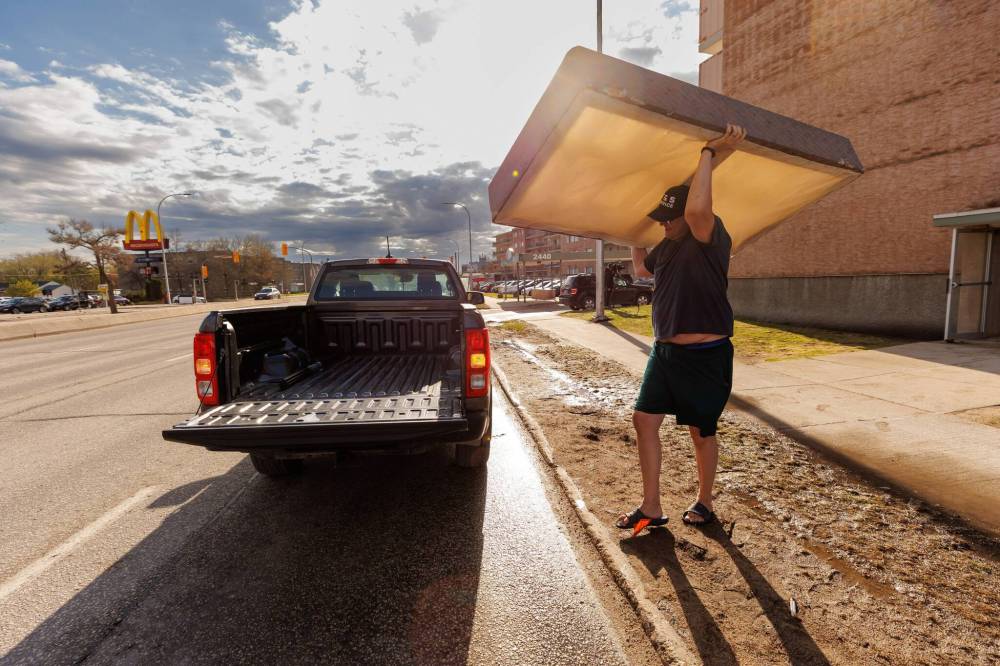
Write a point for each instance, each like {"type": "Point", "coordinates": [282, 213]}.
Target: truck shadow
{"type": "Point", "coordinates": [371, 561]}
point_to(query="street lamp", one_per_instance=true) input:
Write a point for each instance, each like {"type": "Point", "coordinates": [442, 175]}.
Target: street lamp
{"type": "Point", "coordinates": [166, 273]}
{"type": "Point", "coordinates": [458, 255]}
{"type": "Point", "coordinates": [301, 250]}
{"type": "Point", "coordinates": [455, 204]}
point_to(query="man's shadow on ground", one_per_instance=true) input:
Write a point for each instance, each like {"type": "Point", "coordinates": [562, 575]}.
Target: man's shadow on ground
{"type": "Point", "coordinates": [657, 549]}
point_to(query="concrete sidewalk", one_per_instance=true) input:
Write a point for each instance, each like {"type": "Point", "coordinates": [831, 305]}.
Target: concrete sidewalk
{"type": "Point", "coordinates": [890, 412]}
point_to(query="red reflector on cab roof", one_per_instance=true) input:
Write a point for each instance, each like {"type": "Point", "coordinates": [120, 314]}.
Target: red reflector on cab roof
{"type": "Point", "coordinates": [387, 260]}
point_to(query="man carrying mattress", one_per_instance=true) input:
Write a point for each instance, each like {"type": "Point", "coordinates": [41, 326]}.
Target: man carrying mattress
{"type": "Point", "coordinates": [690, 369]}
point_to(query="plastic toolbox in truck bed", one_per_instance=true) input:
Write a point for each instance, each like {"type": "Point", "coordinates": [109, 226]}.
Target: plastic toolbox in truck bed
{"type": "Point", "coordinates": [608, 137]}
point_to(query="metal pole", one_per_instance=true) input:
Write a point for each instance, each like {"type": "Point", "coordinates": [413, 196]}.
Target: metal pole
{"type": "Point", "coordinates": [987, 279]}
{"type": "Point", "coordinates": [599, 276]}
{"type": "Point", "coordinates": [166, 271]}
{"type": "Point", "coordinates": [951, 285]}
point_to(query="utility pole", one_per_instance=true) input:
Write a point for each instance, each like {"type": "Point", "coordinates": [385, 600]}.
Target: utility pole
{"type": "Point", "coordinates": [599, 315]}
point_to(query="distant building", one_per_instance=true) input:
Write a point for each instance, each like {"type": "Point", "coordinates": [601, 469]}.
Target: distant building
{"type": "Point", "coordinates": [55, 289]}
{"type": "Point", "coordinates": [914, 87]}
{"type": "Point", "coordinates": [547, 254]}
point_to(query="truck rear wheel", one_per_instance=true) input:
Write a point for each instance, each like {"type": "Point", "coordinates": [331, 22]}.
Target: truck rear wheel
{"type": "Point", "coordinates": [475, 454]}
{"type": "Point", "coordinates": [271, 466]}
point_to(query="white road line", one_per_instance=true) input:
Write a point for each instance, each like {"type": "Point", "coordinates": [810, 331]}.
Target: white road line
{"type": "Point", "coordinates": [177, 358]}
{"type": "Point", "coordinates": [31, 571]}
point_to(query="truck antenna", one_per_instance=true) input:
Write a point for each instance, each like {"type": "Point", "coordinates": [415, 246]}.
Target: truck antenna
{"type": "Point", "coordinates": [388, 252]}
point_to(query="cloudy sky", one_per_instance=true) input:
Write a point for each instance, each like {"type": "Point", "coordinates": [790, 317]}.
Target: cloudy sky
{"type": "Point", "coordinates": [330, 122]}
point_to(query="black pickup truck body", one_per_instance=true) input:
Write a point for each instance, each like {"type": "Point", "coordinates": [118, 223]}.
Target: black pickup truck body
{"type": "Point", "coordinates": [352, 368]}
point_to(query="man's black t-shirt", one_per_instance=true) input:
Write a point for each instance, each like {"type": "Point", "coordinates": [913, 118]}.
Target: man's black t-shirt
{"type": "Point", "coordinates": [690, 279]}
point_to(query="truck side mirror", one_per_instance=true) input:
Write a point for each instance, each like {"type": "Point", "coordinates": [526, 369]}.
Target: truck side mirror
{"type": "Point", "coordinates": [475, 297]}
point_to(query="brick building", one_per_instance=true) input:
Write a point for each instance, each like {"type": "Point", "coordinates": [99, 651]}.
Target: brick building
{"type": "Point", "coordinates": [546, 253]}
{"type": "Point", "coordinates": [914, 85]}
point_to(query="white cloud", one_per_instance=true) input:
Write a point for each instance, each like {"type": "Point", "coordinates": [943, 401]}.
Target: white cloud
{"type": "Point", "coordinates": [303, 127]}
{"type": "Point", "coordinates": [11, 70]}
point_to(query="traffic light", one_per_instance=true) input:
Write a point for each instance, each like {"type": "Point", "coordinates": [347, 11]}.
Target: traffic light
{"type": "Point", "coordinates": [236, 256]}
{"type": "Point", "coordinates": [204, 271]}
{"type": "Point", "coordinates": [284, 249]}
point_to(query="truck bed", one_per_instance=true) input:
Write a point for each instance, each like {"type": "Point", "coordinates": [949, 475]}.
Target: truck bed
{"type": "Point", "coordinates": [363, 391]}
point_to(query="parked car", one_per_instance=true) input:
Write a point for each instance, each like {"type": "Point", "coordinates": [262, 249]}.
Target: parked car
{"type": "Point", "coordinates": [20, 304]}
{"type": "Point", "coordinates": [402, 333]}
{"type": "Point", "coordinates": [65, 303]}
{"type": "Point", "coordinates": [267, 293]}
{"type": "Point", "coordinates": [121, 300]}
{"type": "Point", "coordinates": [579, 291]}
{"type": "Point", "coordinates": [187, 299]}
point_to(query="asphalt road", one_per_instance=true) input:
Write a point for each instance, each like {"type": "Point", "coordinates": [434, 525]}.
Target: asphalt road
{"type": "Point", "coordinates": [116, 546]}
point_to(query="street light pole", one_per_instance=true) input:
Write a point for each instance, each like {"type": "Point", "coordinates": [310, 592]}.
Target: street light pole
{"type": "Point", "coordinates": [455, 204]}
{"type": "Point", "coordinates": [599, 276]}
{"type": "Point", "coordinates": [166, 272]}
{"type": "Point", "coordinates": [301, 250]}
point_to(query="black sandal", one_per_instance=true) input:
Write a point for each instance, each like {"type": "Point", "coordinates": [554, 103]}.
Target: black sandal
{"type": "Point", "coordinates": [698, 509]}
{"type": "Point", "coordinates": [637, 521]}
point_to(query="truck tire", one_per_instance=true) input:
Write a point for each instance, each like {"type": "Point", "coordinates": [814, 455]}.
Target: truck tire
{"type": "Point", "coordinates": [642, 299]}
{"type": "Point", "coordinates": [475, 454]}
{"type": "Point", "coordinates": [589, 303]}
{"type": "Point", "coordinates": [271, 466]}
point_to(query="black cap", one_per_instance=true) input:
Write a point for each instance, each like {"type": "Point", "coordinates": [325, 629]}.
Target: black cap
{"type": "Point", "coordinates": [672, 204]}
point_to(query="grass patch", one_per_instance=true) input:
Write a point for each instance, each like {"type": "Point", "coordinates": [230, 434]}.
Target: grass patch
{"type": "Point", "coordinates": [514, 326]}
{"type": "Point", "coordinates": [756, 341]}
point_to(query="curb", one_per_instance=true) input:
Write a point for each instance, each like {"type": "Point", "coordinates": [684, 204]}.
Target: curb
{"type": "Point", "coordinates": [658, 629]}
{"type": "Point", "coordinates": [37, 329]}
{"type": "Point", "coordinates": [23, 330]}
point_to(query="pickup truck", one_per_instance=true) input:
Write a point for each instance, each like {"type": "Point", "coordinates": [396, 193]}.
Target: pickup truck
{"type": "Point", "coordinates": [386, 354]}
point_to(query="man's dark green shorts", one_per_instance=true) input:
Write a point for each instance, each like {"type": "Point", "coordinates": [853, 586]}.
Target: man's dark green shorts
{"type": "Point", "coordinates": [693, 384]}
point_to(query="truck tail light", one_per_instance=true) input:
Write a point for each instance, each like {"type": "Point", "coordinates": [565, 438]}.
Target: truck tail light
{"type": "Point", "coordinates": [477, 362]}
{"type": "Point", "coordinates": [572, 292]}
{"type": "Point", "coordinates": [206, 380]}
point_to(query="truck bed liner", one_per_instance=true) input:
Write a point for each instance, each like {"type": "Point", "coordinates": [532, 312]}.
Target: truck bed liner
{"type": "Point", "coordinates": [403, 387]}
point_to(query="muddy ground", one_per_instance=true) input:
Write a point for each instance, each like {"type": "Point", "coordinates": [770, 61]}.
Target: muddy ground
{"type": "Point", "coordinates": [877, 578]}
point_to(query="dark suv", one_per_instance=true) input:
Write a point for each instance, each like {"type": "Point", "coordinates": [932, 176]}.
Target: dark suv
{"type": "Point", "coordinates": [579, 291]}
{"type": "Point", "coordinates": [21, 304]}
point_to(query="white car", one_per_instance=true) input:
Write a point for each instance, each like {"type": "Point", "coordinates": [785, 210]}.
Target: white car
{"type": "Point", "coordinates": [266, 294]}
{"type": "Point", "coordinates": [187, 299]}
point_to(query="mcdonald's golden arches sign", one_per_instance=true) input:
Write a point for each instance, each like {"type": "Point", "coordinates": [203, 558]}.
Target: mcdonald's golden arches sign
{"type": "Point", "coordinates": [147, 222]}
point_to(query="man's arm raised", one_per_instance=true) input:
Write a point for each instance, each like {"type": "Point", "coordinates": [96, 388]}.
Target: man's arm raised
{"type": "Point", "coordinates": [698, 211]}
{"type": "Point", "coordinates": [639, 262]}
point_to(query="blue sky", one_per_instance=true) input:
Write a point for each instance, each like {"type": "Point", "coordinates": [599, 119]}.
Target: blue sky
{"type": "Point", "coordinates": [331, 123]}
{"type": "Point", "coordinates": [178, 38]}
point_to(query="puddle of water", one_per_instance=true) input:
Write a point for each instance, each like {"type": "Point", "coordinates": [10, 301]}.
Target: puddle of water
{"type": "Point", "coordinates": [841, 566]}
{"type": "Point", "coordinates": [572, 393]}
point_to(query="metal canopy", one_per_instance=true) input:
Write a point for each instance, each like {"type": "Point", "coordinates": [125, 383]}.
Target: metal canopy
{"type": "Point", "coordinates": [984, 217]}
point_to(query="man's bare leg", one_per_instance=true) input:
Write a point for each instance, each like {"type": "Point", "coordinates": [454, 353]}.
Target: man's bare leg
{"type": "Point", "coordinates": [706, 455]}
{"type": "Point", "coordinates": [647, 435]}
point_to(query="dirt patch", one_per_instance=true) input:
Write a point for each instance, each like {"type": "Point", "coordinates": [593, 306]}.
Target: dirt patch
{"type": "Point", "coordinates": [810, 564]}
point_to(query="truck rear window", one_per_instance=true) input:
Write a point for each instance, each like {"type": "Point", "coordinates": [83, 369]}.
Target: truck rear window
{"type": "Point", "coordinates": [385, 282]}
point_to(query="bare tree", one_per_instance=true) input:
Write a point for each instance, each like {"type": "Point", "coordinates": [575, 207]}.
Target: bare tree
{"type": "Point", "coordinates": [102, 243]}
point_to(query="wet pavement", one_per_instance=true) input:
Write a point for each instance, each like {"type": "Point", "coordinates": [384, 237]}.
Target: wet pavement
{"type": "Point", "coordinates": [119, 547]}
